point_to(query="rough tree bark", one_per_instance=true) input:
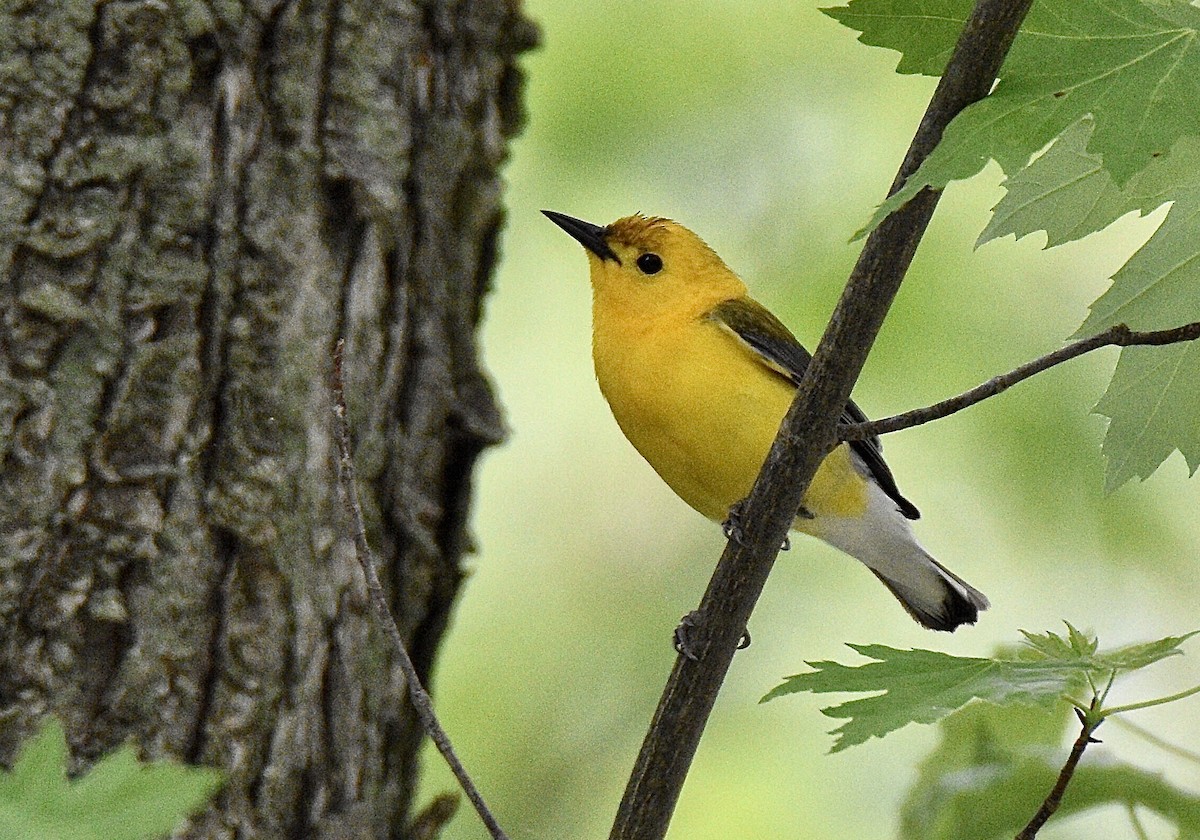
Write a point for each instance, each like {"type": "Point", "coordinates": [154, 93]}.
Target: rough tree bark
{"type": "Point", "coordinates": [196, 198]}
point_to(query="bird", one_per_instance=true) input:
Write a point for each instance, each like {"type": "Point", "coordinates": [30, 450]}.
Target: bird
{"type": "Point", "coordinates": [699, 376]}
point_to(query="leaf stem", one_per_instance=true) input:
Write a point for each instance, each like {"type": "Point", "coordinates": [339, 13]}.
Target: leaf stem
{"type": "Point", "coordinates": [1083, 707]}
{"type": "Point", "coordinates": [1146, 704]}
{"type": "Point", "coordinates": [1112, 677]}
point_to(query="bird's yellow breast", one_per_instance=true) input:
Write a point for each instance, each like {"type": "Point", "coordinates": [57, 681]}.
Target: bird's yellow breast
{"type": "Point", "coordinates": [703, 410]}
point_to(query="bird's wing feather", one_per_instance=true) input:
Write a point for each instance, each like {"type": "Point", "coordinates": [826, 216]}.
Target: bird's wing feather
{"type": "Point", "coordinates": [776, 347]}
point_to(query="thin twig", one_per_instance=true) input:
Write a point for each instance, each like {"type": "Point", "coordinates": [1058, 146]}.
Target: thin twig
{"type": "Point", "coordinates": [1157, 701]}
{"type": "Point", "coordinates": [1054, 798]}
{"type": "Point", "coordinates": [1118, 336]}
{"type": "Point", "coordinates": [807, 434]}
{"type": "Point", "coordinates": [366, 560]}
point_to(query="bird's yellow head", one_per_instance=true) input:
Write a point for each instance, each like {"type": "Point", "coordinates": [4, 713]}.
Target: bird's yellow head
{"type": "Point", "coordinates": [648, 267]}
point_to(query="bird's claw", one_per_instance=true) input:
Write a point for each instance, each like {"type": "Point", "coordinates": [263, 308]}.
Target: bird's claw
{"type": "Point", "coordinates": [683, 641]}
{"type": "Point", "coordinates": [682, 636]}
{"type": "Point", "coordinates": [732, 526]}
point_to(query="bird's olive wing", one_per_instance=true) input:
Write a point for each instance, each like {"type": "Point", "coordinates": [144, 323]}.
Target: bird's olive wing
{"type": "Point", "coordinates": [776, 347]}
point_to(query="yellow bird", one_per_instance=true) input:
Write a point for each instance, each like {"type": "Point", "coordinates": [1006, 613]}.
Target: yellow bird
{"type": "Point", "coordinates": [699, 377]}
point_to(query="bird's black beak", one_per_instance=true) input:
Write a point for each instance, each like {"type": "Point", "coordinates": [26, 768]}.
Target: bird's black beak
{"type": "Point", "coordinates": [588, 235]}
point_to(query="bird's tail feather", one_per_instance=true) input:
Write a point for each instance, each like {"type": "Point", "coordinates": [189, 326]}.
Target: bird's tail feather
{"type": "Point", "coordinates": [882, 539]}
{"type": "Point", "coordinates": [944, 607]}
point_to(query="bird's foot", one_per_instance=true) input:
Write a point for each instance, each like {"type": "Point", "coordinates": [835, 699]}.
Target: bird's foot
{"type": "Point", "coordinates": [732, 526]}
{"type": "Point", "coordinates": [683, 640]}
{"type": "Point", "coordinates": [733, 530]}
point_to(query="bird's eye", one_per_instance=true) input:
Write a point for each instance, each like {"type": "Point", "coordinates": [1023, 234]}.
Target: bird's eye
{"type": "Point", "coordinates": [649, 263]}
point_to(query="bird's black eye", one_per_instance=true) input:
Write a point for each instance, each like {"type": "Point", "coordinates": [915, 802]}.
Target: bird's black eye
{"type": "Point", "coordinates": [649, 263]}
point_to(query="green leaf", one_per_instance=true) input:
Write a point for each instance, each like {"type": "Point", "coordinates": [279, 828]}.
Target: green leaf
{"type": "Point", "coordinates": [924, 31]}
{"type": "Point", "coordinates": [1139, 655]}
{"type": "Point", "coordinates": [1159, 287]}
{"type": "Point", "coordinates": [1152, 403]}
{"type": "Point", "coordinates": [1081, 649]}
{"type": "Point", "coordinates": [923, 686]}
{"type": "Point", "coordinates": [120, 798]}
{"type": "Point", "coordinates": [994, 765]}
{"type": "Point", "coordinates": [1134, 67]}
{"type": "Point", "coordinates": [1152, 398]}
{"type": "Point", "coordinates": [1074, 647]}
{"type": "Point", "coordinates": [1066, 192]}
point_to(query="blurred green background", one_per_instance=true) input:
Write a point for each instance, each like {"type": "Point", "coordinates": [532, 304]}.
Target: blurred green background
{"type": "Point", "coordinates": [770, 132]}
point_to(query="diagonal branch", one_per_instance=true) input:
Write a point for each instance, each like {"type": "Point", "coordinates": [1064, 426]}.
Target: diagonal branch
{"type": "Point", "coordinates": [1118, 336]}
{"type": "Point", "coordinates": [807, 434]}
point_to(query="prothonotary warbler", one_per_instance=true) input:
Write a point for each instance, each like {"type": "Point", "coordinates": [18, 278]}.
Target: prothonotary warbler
{"type": "Point", "coordinates": [699, 377]}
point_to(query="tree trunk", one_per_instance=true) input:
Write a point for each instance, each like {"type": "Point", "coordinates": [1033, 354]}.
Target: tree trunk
{"type": "Point", "coordinates": [196, 199]}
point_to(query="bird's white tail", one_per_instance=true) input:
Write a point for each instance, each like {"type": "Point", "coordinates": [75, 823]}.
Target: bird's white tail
{"type": "Point", "coordinates": [882, 539]}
